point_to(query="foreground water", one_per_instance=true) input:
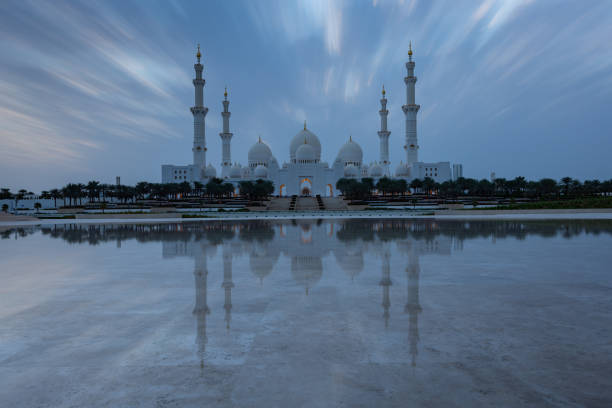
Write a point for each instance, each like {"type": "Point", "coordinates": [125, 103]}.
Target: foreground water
{"type": "Point", "coordinates": [307, 313]}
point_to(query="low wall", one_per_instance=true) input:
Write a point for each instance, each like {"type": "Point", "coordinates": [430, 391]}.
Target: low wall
{"type": "Point", "coordinates": [534, 211]}
{"type": "Point", "coordinates": [125, 216]}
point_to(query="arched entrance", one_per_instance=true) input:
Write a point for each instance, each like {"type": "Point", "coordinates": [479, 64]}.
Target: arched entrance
{"type": "Point", "coordinates": [281, 190]}
{"type": "Point", "coordinates": [305, 187]}
{"type": "Point", "coordinates": [331, 190]}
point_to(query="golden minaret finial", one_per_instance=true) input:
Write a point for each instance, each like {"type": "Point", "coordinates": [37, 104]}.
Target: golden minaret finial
{"type": "Point", "coordinates": [410, 48]}
{"type": "Point", "coordinates": [351, 138]}
{"type": "Point", "coordinates": [259, 139]}
{"type": "Point", "coordinates": [199, 55]}
{"type": "Point", "coordinates": [225, 93]}
{"type": "Point", "coordinates": [383, 91]}
{"type": "Point", "coordinates": [304, 125]}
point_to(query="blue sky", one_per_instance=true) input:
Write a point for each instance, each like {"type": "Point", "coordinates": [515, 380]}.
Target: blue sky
{"type": "Point", "coordinates": [94, 90]}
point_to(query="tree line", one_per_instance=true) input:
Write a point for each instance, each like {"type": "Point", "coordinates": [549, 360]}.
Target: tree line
{"type": "Point", "coordinates": [94, 191]}
{"type": "Point", "coordinates": [519, 187]}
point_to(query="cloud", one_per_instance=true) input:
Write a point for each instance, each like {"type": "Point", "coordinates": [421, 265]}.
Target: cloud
{"type": "Point", "coordinates": [295, 21]}
{"type": "Point", "coordinates": [106, 86]}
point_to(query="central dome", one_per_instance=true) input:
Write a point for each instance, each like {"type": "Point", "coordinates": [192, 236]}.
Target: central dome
{"type": "Point", "coordinates": [305, 153]}
{"type": "Point", "coordinates": [298, 140]}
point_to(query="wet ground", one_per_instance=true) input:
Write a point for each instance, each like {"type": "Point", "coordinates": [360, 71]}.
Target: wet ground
{"type": "Point", "coordinates": [312, 313]}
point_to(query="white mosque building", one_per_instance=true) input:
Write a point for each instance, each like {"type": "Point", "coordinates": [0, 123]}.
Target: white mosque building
{"type": "Point", "coordinates": [305, 173]}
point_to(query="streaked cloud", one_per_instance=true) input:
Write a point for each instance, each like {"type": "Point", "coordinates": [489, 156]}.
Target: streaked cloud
{"type": "Point", "coordinates": [94, 90]}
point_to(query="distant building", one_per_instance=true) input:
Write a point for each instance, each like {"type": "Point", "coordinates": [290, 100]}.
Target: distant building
{"type": "Point", "coordinates": [305, 173]}
{"type": "Point", "coordinates": [457, 171]}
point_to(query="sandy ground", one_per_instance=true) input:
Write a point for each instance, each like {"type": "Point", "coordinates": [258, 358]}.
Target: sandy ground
{"type": "Point", "coordinates": [4, 217]}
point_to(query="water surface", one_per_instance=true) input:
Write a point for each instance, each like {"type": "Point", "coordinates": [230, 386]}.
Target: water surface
{"type": "Point", "coordinates": [307, 313]}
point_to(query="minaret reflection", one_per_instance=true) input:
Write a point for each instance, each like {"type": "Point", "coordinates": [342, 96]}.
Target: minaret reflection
{"type": "Point", "coordinates": [385, 282]}
{"type": "Point", "coordinates": [201, 309]}
{"type": "Point", "coordinates": [413, 307]}
{"type": "Point", "coordinates": [227, 284]}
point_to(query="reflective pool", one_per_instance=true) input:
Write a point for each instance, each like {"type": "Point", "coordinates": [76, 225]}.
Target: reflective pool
{"type": "Point", "coordinates": [307, 313]}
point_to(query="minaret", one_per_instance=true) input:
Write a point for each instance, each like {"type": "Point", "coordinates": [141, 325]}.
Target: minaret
{"type": "Point", "coordinates": [413, 307]}
{"type": "Point", "coordinates": [227, 284]}
{"type": "Point", "coordinates": [226, 138]}
{"type": "Point", "coordinates": [201, 309]}
{"type": "Point", "coordinates": [410, 110]}
{"type": "Point", "coordinates": [199, 113]}
{"type": "Point", "coordinates": [383, 134]}
{"type": "Point", "coordinates": [385, 282]}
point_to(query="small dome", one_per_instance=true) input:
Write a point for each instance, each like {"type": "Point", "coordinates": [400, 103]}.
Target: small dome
{"type": "Point", "coordinates": [376, 170]}
{"type": "Point", "coordinates": [401, 170]}
{"type": "Point", "coordinates": [210, 171]}
{"type": "Point", "coordinates": [260, 172]}
{"type": "Point", "coordinates": [260, 152]}
{"type": "Point", "coordinates": [235, 171]}
{"type": "Point", "coordinates": [351, 171]}
{"type": "Point", "coordinates": [350, 153]}
{"type": "Point", "coordinates": [306, 270]}
{"type": "Point", "coordinates": [298, 140]}
{"type": "Point", "coordinates": [306, 153]}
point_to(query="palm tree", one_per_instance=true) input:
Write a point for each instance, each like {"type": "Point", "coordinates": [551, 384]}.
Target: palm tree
{"type": "Point", "coordinates": [383, 185]}
{"type": "Point", "coordinates": [368, 183]}
{"type": "Point", "coordinates": [519, 184]}
{"type": "Point", "coordinates": [4, 207]}
{"type": "Point", "coordinates": [19, 196]}
{"type": "Point", "coordinates": [184, 188]}
{"type": "Point", "coordinates": [501, 186]}
{"type": "Point", "coordinates": [142, 188]}
{"type": "Point", "coordinates": [93, 190]}
{"type": "Point", "coordinates": [197, 186]}
{"type": "Point", "coordinates": [67, 193]}
{"type": "Point", "coordinates": [80, 192]}
{"type": "Point", "coordinates": [576, 188]}
{"type": "Point", "coordinates": [547, 187]}
{"type": "Point", "coordinates": [37, 205]}
{"type": "Point", "coordinates": [55, 194]}
{"type": "Point", "coordinates": [5, 193]}
{"type": "Point", "coordinates": [416, 185]}
{"type": "Point", "coordinates": [428, 184]}
{"type": "Point", "coordinates": [566, 181]}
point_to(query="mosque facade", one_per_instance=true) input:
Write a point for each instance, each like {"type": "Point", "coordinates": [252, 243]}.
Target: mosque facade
{"type": "Point", "coordinates": [305, 173]}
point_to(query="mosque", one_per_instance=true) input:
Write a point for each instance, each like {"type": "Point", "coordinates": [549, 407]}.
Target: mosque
{"type": "Point", "coordinates": [305, 173]}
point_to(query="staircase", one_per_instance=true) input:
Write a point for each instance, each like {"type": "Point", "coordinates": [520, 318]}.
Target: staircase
{"type": "Point", "coordinates": [292, 203]}
{"type": "Point", "coordinates": [320, 202]}
{"type": "Point", "coordinates": [306, 204]}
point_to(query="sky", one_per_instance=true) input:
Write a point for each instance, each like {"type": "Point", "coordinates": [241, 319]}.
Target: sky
{"type": "Point", "coordinates": [94, 90]}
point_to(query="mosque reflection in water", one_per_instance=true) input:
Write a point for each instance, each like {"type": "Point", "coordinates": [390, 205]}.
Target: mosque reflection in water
{"type": "Point", "coordinates": [397, 245]}
{"type": "Point", "coordinates": [306, 243]}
